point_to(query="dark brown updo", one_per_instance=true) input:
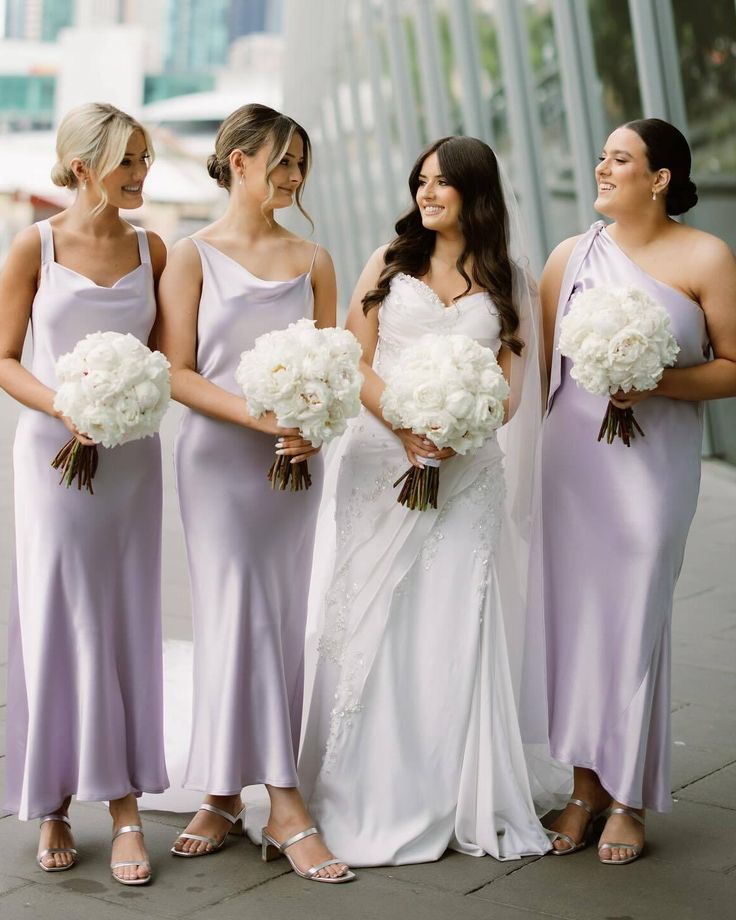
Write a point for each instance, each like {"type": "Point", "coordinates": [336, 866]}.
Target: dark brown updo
{"type": "Point", "coordinates": [668, 149]}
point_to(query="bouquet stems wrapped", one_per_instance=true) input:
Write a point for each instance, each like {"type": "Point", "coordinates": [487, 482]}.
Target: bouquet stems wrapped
{"type": "Point", "coordinates": [309, 379]}
{"type": "Point", "coordinates": [114, 389]}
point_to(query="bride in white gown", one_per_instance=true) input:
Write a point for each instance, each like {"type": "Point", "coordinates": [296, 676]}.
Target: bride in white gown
{"type": "Point", "coordinates": [420, 656]}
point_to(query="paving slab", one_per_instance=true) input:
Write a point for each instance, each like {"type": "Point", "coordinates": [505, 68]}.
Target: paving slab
{"type": "Point", "coordinates": [372, 897]}
{"type": "Point", "coordinates": [454, 872]}
{"type": "Point", "coordinates": [180, 886]}
{"type": "Point", "coordinates": [580, 888]}
{"type": "Point", "coordinates": [719, 788]}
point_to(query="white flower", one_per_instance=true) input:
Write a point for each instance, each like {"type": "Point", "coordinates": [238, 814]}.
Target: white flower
{"type": "Point", "coordinates": [449, 388]}
{"type": "Point", "coordinates": [113, 388]}
{"type": "Point", "coordinates": [618, 338]}
{"type": "Point", "coordinates": [307, 377]}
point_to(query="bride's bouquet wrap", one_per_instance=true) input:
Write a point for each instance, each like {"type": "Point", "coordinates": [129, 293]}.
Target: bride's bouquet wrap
{"type": "Point", "coordinates": [309, 379]}
{"type": "Point", "coordinates": [114, 389]}
{"type": "Point", "coordinates": [451, 390]}
{"type": "Point", "coordinates": [618, 338]}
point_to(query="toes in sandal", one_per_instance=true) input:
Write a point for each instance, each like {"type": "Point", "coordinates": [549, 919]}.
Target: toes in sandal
{"type": "Point", "coordinates": [213, 842]}
{"type": "Point", "coordinates": [574, 846]}
{"type": "Point", "coordinates": [270, 849]}
{"type": "Point", "coordinates": [130, 829]}
{"type": "Point", "coordinates": [609, 845]}
{"type": "Point", "coordinates": [50, 851]}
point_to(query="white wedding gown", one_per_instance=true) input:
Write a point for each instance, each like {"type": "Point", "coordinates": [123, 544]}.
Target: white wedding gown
{"type": "Point", "coordinates": [411, 741]}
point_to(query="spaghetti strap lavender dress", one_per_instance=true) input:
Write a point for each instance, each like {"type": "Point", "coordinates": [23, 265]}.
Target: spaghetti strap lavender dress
{"type": "Point", "coordinates": [249, 550]}
{"type": "Point", "coordinates": [615, 523]}
{"type": "Point", "coordinates": [85, 695]}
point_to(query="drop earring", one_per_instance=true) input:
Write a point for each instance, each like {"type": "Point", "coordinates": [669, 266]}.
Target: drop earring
{"type": "Point", "coordinates": [240, 181]}
{"type": "Point", "coordinates": [654, 195]}
{"type": "Point", "coordinates": [84, 185]}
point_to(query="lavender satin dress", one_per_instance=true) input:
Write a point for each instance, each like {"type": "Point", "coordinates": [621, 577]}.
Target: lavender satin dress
{"type": "Point", "coordinates": [249, 550]}
{"type": "Point", "coordinates": [85, 694]}
{"type": "Point", "coordinates": [615, 522]}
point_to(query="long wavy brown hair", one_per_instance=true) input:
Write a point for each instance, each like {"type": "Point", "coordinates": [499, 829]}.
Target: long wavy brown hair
{"type": "Point", "coordinates": [470, 167]}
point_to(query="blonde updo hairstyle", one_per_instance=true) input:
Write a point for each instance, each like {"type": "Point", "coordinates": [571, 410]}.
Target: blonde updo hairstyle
{"type": "Point", "coordinates": [248, 129]}
{"type": "Point", "coordinates": [97, 134]}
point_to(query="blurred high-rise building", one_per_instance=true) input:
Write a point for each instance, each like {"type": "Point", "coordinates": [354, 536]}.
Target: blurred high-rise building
{"type": "Point", "coordinates": [57, 15]}
{"type": "Point", "coordinates": [201, 31]}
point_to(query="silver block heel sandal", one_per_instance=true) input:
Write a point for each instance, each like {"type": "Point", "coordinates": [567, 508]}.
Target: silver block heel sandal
{"type": "Point", "coordinates": [50, 851]}
{"type": "Point", "coordinates": [130, 829]}
{"type": "Point", "coordinates": [213, 841]}
{"type": "Point", "coordinates": [270, 849]}
{"type": "Point", "coordinates": [636, 847]}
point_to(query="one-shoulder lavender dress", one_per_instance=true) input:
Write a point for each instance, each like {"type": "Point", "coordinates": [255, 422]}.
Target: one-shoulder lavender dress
{"type": "Point", "coordinates": [85, 695]}
{"type": "Point", "coordinates": [249, 550]}
{"type": "Point", "coordinates": [615, 522]}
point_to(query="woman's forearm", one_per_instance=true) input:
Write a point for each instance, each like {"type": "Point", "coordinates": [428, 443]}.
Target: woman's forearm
{"type": "Point", "coordinates": [370, 393]}
{"type": "Point", "coordinates": [20, 383]}
{"type": "Point", "coordinates": [192, 390]}
{"type": "Point", "coordinates": [713, 380]}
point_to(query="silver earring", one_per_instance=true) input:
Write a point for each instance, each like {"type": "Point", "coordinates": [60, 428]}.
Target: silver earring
{"type": "Point", "coordinates": [84, 185]}
{"type": "Point", "coordinates": [240, 181]}
{"type": "Point", "coordinates": [654, 195]}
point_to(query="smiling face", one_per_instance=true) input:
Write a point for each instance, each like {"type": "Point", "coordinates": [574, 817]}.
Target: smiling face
{"type": "Point", "coordinates": [625, 181]}
{"type": "Point", "coordinates": [439, 203]}
{"type": "Point", "coordinates": [286, 176]}
{"type": "Point", "coordinates": [124, 185]}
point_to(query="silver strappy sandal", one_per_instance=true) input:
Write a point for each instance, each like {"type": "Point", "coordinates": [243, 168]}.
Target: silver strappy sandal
{"type": "Point", "coordinates": [130, 829]}
{"type": "Point", "coordinates": [270, 849]}
{"type": "Point", "coordinates": [574, 846]}
{"type": "Point", "coordinates": [214, 843]}
{"type": "Point", "coordinates": [50, 851]}
{"type": "Point", "coordinates": [636, 847]}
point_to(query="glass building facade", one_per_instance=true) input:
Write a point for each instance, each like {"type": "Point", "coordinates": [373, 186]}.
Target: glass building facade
{"type": "Point", "coordinates": [542, 81]}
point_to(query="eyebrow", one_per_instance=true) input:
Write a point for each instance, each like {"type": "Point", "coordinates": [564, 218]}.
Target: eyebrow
{"type": "Point", "coordinates": [438, 176]}
{"type": "Point", "coordinates": [129, 154]}
{"type": "Point", "coordinates": [624, 152]}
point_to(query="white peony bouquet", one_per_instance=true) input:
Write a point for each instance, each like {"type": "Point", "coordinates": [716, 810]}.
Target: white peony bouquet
{"type": "Point", "coordinates": [618, 338]}
{"type": "Point", "coordinates": [309, 379]}
{"type": "Point", "coordinates": [114, 389]}
{"type": "Point", "coordinates": [450, 389]}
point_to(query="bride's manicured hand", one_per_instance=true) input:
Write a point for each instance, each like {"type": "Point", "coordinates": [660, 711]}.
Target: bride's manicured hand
{"type": "Point", "coordinates": [417, 446]}
{"type": "Point", "coordinates": [296, 447]}
{"type": "Point", "coordinates": [626, 400]}
{"type": "Point", "coordinates": [83, 439]}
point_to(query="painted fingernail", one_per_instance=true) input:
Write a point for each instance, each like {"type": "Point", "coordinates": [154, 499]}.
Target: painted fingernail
{"type": "Point", "coordinates": [280, 453]}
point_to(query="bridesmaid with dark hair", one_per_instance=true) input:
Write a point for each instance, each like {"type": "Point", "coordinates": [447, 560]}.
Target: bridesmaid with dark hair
{"type": "Point", "coordinates": [615, 519]}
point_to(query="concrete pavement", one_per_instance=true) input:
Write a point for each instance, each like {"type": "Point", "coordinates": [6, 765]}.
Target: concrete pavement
{"type": "Point", "coordinates": [688, 872]}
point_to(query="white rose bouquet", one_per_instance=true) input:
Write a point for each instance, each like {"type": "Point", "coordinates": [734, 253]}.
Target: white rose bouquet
{"type": "Point", "coordinates": [114, 389]}
{"type": "Point", "coordinates": [618, 338]}
{"type": "Point", "coordinates": [309, 379]}
{"type": "Point", "coordinates": [451, 390]}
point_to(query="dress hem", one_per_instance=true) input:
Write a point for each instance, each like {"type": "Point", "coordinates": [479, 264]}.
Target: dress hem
{"type": "Point", "coordinates": [609, 787]}
{"type": "Point", "coordinates": [32, 814]}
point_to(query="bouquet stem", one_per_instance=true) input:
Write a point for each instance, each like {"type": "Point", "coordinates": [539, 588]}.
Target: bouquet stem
{"type": "Point", "coordinates": [619, 423]}
{"type": "Point", "coordinates": [77, 461]}
{"type": "Point", "coordinates": [285, 474]}
{"type": "Point", "coordinates": [419, 491]}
